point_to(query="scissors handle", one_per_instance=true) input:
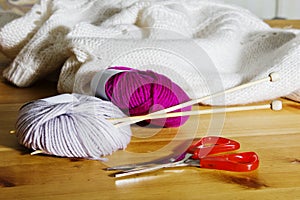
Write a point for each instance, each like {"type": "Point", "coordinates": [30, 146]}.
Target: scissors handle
{"type": "Point", "coordinates": [212, 145]}
{"type": "Point", "coordinates": [237, 162]}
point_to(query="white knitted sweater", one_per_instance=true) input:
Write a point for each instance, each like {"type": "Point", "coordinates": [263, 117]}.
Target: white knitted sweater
{"type": "Point", "coordinates": [203, 46]}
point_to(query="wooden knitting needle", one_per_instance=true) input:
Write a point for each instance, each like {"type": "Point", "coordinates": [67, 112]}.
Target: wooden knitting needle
{"type": "Point", "coordinates": [36, 152]}
{"type": "Point", "coordinates": [273, 77]}
{"type": "Point", "coordinates": [164, 113]}
{"type": "Point", "coordinates": [275, 105]}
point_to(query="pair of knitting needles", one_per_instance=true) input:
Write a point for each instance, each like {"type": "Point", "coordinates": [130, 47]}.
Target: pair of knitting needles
{"type": "Point", "coordinates": [275, 105]}
{"type": "Point", "coordinates": [165, 113]}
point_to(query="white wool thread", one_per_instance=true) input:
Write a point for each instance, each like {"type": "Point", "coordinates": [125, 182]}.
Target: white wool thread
{"type": "Point", "coordinates": [72, 129]}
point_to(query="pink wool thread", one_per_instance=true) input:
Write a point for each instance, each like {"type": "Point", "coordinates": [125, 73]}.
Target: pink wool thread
{"type": "Point", "coordinates": [138, 92]}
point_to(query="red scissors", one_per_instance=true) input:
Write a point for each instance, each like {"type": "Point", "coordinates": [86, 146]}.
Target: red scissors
{"type": "Point", "coordinates": [201, 154]}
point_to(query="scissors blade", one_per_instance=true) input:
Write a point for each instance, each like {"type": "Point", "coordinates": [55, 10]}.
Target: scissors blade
{"type": "Point", "coordinates": [165, 160]}
{"type": "Point", "coordinates": [129, 167]}
{"type": "Point", "coordinates": [141, 170]}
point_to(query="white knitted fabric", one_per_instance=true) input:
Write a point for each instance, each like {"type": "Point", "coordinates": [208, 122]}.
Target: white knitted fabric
{"type": "Point", "coordinates": [5, 18]}
{"type": "Point", "coordinates": [203, 46]}
{"type": "Point", "coordinates": [41, 45]}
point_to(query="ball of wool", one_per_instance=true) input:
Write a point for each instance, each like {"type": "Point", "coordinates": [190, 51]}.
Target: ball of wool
{"type": "Point", "coordinates": [78, 128]}
{"type": "Point", "coordinates": [138, 92]}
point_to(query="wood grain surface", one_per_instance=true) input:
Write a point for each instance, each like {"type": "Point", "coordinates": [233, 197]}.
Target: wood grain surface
{"type": "Point", "coordinates": [274, 136]}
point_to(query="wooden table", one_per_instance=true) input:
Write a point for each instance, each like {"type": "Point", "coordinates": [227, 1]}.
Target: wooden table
{"type": "Point", "coordinates": [274, 136]}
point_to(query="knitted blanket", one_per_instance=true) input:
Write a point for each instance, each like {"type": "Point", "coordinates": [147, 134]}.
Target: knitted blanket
{"type": "Point", "coordinates": [203, 46]}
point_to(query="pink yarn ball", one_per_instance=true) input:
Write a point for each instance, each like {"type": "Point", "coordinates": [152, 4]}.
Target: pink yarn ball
{"type": "Point", "coordinates": [138, 92]}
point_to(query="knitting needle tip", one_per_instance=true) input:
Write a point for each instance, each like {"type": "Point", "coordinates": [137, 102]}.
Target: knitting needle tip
{"type": "Point", "coordinates": [12, 132]}
{"type": "Point", "coordinates": [274, 76]}
{"type": "Point", "coordinates": [36, 152]}
{"type": "Point", "coordinates": [276, 105]}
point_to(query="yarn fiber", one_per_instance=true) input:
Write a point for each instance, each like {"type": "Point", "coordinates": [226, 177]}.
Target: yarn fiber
{"type": "Point", "coordinates": [74, 129]}
{"type": "Point", "coordinates": [138, 92]}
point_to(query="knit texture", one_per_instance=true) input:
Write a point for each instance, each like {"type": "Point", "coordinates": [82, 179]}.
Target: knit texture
{"type": "Point", "coordinates": [203, 46]}
{"type": "Point", "coordinates": [5, 18]}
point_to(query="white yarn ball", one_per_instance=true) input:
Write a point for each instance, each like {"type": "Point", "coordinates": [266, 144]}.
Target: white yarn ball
{"type": "Point", "coordinates": [72, 129]}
